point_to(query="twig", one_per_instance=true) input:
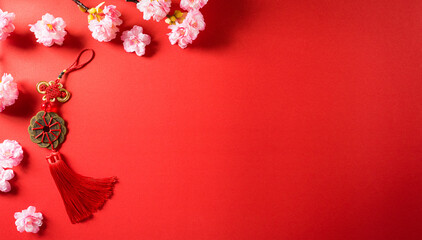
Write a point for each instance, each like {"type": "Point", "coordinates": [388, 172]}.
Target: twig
{"type": "Point", "coordinates": [81, 5]}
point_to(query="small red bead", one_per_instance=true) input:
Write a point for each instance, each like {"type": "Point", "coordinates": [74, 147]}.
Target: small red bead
{"type": "Point", "coordinates": [63, 94]}
{"type": "Point", "coordinates": [46, 106]}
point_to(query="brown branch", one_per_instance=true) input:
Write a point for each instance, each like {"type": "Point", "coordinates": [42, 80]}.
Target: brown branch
{"type": "Point", "coordinates": [81, 5]}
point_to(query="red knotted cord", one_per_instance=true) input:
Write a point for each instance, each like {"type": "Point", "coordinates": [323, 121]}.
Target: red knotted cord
{"type": "Point", "coordinates": [53, 91]}
{"type": "Point", "coordinates": [75, 65]}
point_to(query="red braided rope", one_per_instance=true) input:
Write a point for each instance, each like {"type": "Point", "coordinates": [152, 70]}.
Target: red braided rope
{"type": "Point", "coordinates": [75, 65]}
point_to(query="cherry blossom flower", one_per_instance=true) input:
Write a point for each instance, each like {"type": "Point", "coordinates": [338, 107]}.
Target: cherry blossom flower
{"type": "Point", "coordinates": [157, 9]}
{"type": "Point", "coordinates": [192, 4]}
{"type": "Point", "coordinates": [182, 34]}
{"type": "Point", "coordinates": [103, 22]}
{"type": "Point", "coordinates": [28, 220]}
{"type": "Point", "coordinates": [111, 12]}
{"type": "Point", "coordinates": [49, 30]}
{"type": "Point", "coordinates": [6, 25]}
{"type": "Point", "coordinates": [104, 30]}
{"type": "Point", "coordinates": [135, 41]}
{"type": "Point", "coordinates": [11, 154]}
{"type": "Point", "coordinates": [8, 91]}
{"type": "Point", "coordinates": [185, 32]}
{"type": "Point", "coordinates": [5, 176]}
{"type": "Point", "coordinates": [195, 19]}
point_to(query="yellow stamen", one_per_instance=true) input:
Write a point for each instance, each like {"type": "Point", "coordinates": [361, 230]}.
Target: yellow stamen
{"type": "Point", "coordinates": [92, 11]}
{"type": "Point", "coordinates": [50, 26]}
{"type": "Point", "coordinates": [178, 14]}
{"type": "Point", "coordinates": [98, 6]}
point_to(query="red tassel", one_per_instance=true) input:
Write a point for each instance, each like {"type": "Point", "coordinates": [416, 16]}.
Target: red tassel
{"type": "Point", "coordinates": [81, 195]}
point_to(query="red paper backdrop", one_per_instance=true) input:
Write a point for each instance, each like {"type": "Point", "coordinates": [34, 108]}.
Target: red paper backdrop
{"type": "Point", "coordinates": [284, 120]}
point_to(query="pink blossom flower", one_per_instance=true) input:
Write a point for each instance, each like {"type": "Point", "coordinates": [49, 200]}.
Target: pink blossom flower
{"type": "Point", "coordinates": [11, 154]}
{"type": "Point", "coordinates": [49, 30]}
{"type": "Point", "coordinates": [195, 19]}
{"type": "Point", "coordinates": [8, 91]}
{"type": "Point", "coordinates": [104, 30]}
{"type": "Point", "coordinates": [157, 9]}
{"type": "Point", "coordinates": [135, 41]}
{"type": "Point", "coordinates": [104, 25]}
{"type": "Point", "coordinates": [6, 25]}
{"type": "Point", "coordinates": [111, 12]}
{"type": "Point", "coordinates": [5, 176]}
{"type": "Point", "coordinates": [185, 32]}
{"type": "Point", "coordinates": [28, 220]}
{"type": "Point", "coordinates": [192, 4]}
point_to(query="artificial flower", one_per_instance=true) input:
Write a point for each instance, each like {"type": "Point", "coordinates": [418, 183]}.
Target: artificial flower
{"type": "Point", "coordinates": [111, 12]}
{"type": "Point", "coordinates": [11, 154]}
{"type": "Point", "coordinates": [192, 4]}
{"type": "Point", "coordinates": [103, 22]}
{"type": "Point", "coordinates": [28, 220]}
{"type": "Point", "coordinates": [157, 9]}
{"type": "Point", "coordinates": [182, 34]}
{"type": "Point", "coordinates": [195, 19]}
{"type": "Point", "coordinates": [6, 25]}
{"type": "Point", "coordinates": [135, 41]}
{"type": "Point", "coordinates": [5, 176]}
{"type": "Point", "coordinates": [8, 91]}
{"type": "Point", "coordinates": [49, 30]}
{"type": "Point", "coordinates": [104, 30]}
{"type": "Point", "coordinates": [185, 32]}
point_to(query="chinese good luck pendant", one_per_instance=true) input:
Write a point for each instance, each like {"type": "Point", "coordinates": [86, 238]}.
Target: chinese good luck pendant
{"type": "Point", "coordinates": [81, 195]}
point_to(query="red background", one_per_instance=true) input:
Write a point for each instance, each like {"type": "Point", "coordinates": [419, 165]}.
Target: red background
{"type": "Point", "coordinates": [284, 120]}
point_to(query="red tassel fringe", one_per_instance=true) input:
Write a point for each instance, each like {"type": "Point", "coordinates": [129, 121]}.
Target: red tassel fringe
{"type": "Point", "coordinates": [81, 195]}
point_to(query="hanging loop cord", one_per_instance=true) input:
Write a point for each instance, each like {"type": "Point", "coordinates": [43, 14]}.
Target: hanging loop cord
{"type": "Point", "coordinates": [76, 65]}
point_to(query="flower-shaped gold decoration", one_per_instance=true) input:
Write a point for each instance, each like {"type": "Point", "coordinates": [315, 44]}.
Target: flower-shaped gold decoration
{"type": "Point", "coordinates": [47, 129]}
